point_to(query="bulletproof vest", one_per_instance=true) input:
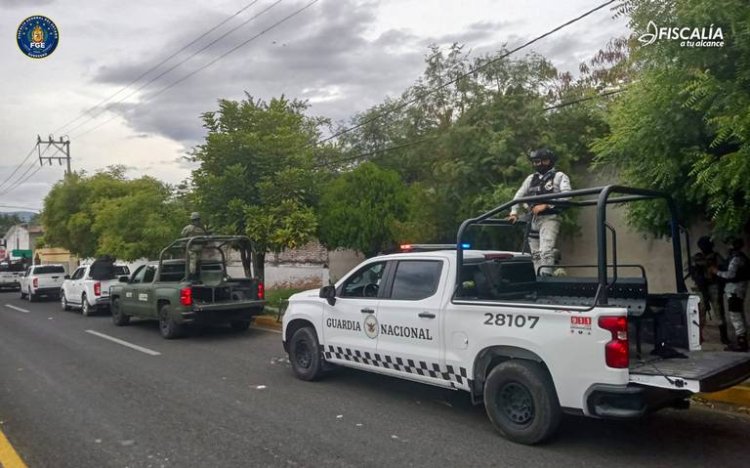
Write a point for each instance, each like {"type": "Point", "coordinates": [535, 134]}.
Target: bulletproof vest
{"type": "Point", "coordinates": [743, 272]}
{"type": "Point", "coordinates": [542, 184]}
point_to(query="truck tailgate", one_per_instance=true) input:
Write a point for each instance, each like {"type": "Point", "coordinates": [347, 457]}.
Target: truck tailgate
{"type": "Point", "coordinates": [702, 371]}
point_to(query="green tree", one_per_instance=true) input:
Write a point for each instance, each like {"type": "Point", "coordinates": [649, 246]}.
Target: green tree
{"type": "Point", "coordinates": [360, 209]}
{"type": "Point", "coordinates": [106, 213]}
{"type": "Point", "coordinates": [244, 183]}
{"type": "Point", "coordinates": [683, 126]}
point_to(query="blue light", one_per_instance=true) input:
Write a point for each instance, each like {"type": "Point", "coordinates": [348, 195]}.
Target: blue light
{"type": "Point", "coordinates": [465, 246]}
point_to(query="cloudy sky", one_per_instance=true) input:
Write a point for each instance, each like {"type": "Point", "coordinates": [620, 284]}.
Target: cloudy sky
{"type": "Point", "coordinates": [343, 56]}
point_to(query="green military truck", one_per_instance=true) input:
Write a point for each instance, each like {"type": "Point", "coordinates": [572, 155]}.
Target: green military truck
{"type": "Point", "coordinates": [197, 280]}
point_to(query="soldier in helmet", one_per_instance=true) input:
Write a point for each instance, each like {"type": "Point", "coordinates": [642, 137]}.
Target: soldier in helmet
{"type": "Point", "coordinates": [736, 275]}
{"type": "Point", "coordinates": [545, 221]}
{"type": "Point", "coordinates": [195, 228]}
{"type": "Point", "coordinates": [708, 284]}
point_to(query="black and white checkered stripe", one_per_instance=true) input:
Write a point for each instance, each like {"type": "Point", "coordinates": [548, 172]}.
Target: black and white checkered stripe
{"type": "Point", "coordinates": [449, 373]}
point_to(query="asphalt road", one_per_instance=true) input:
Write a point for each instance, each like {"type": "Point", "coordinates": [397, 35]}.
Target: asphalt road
{"type": "Point", "coordinates": [72, 398]}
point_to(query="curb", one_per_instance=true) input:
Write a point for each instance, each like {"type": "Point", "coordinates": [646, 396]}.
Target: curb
{"type": "Point", "coordinates": [738, 395]}
{"type": "Point", "coordinates": [268, 321]}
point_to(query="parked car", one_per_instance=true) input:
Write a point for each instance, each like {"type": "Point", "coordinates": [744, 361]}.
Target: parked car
{"type": "Point", "coordinates": [10, 275]}
{"type": "Point", "coordinates": [89, 292]}
{"type": "Point", "coordinates": [42, 280]}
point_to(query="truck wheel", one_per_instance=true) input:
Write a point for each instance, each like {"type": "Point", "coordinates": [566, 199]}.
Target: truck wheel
{"type": "Point", "coordinates": [23, 295]}
{"type": "Point", "coordinates": [521, 401]}
{"type": "Point", "coordinates": [240, 325]}
{"type": "Point", "coordinates": [64, 301]}
{"type": "Point", "coordinates": [32, 297]}
{"type": "Point", "coordinates": [85, 307]}
{"type": "Point", "coordinates": [304, 354]}
{"type": "Point", "coordinates": [168, 328]}
{"type": "Point", "coordinates": [118, 316]}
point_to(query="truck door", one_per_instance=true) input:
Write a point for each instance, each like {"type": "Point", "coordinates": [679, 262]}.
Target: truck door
{"type": "Point", "coordinates": [350, 326]}
{"type": "Point", "coordinates": [129, 298]}
{"type": "Point", "coordinates": [409, 320]}
{"type": "Point", "coordinates": [75, 286]}
{"type": "Point", "coordinates": [143, 293]}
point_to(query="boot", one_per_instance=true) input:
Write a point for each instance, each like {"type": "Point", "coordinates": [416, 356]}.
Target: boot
{"type": "Point", "coordinates": [741, 345]}
{"type": "Point", "coordinates": [723, 333]}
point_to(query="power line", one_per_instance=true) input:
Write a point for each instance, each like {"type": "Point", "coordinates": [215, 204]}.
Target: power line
{"type": "Point", "coordinates": [18, 167]}
{"type": "Point", "coordinates": [472, 71]}
{"type": "Point", "coordinates": [193, 54]}
{"type": "Point", "coordinates": [423, 140]}
{"type": "Point", "coordinates": [21, 180]}
{"type": "Point", "coordinates": [203, 67]}
{"type": "Point", "coordinates": [16, 207]}
{"type": "Point", "coordinates": [162, 62]}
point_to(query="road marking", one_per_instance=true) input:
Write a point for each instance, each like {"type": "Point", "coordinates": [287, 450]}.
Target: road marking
{"type": "Point", "coordinates": [8, 456]}
{"type": "Point", "coordinates": [124, 343]}
{"type": "Point", "coordinates": [10, 306]}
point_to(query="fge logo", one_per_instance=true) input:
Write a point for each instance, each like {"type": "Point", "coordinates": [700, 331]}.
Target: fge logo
{"type": "Point", "coordinates": [37, 36]}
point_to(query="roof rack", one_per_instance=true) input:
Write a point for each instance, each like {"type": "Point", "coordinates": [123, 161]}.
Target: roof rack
{"type": "Point", "coordinates": [424, 248]}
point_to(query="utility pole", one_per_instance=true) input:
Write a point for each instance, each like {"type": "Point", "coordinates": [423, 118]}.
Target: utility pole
{"type": "Point", "coordinates": [61, 145]}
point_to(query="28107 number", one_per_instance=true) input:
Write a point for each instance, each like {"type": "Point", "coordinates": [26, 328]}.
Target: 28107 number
{"type": "Point", "coordinates": [510, 320]}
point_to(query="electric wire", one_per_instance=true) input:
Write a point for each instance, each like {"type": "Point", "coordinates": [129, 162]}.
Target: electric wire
{"type": "Point", "coordinates": [168, 70]}
{"type": "Point", "coordinates": [463, 75]}
{"type": "Point", "coordinates": [203, 67]}
{"type": "Point", "coordinates": [155, 67]}
{"type": "Point", "coordinates": [18, 167]}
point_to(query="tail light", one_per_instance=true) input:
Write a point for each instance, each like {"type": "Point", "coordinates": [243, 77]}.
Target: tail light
{"type": "Point", "coordinates": [97, 289]}
{"type": "Point", "coordinates": [186, 296]}
{"type": "Point", "coordinates": [261, 290]}
{"type": "Point", "coordinates": [36, 283]}
{"type": "Point", "coordinates": [616, 351]}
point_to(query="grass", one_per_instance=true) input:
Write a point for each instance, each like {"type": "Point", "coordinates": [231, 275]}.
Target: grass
{"type": "Point", "coordinates": [275, 296]}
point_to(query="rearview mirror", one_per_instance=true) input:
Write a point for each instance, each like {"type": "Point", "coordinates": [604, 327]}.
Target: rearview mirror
{"type": "Point", "coordinates": [329, 294]}
{"type": "Point", "coordinates": [124, 279]}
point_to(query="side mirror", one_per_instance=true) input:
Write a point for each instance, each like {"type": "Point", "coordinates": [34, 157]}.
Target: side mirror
{"type": "Point", "coordinates": [66, 277]}
{"type": "Point", "coordinates": [124, 279]}
{"type": "Point", "coordinates": [329, 294]}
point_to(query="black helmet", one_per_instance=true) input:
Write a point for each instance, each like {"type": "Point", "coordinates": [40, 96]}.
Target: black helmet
{"type": "Point", "coordinates": [543, 153]}
{"type": "Point", "coordinates": [705, 244]}
{"type": "Point", "coordinates": [736, 243]}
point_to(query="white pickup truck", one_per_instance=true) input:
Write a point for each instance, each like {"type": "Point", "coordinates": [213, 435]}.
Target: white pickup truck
{"type": "Point", "coordinates": [83, 292]}
{"type": "Point", "coordinates": [527, 346]}
{"type": "Point", "coordinates": [10, 275]}
{"type": "Point", "coordinates": [42, 280]}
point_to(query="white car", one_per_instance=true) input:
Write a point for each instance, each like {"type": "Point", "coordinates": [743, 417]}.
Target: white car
{"type": "Point", "coordinates": [42, 280]}
{"type": "Point", "coordinates": [10, 275]}
{"type": "Point", "coordinates": [83, 292]}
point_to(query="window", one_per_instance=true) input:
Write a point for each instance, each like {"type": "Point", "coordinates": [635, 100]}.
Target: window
{"type": "Point", "coordinates": [365, 282]}
{"type": "Point", "coordinates": [48, 269]}
{"type": "Point", "coordinates": [148, 277]}
{"type": "Point", "coordinates": [172, 272]}
{"type": "Point", "coordinates": [121, 271]}
{"type": "Point", "coordinates": [139, 274]}
{"type": "Point", "coordinates": [78, 273]}
{"type": "Point", "coordinates": [416, 279]}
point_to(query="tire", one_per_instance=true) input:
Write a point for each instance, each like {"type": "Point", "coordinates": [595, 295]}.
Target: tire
{"type": "Point", "coordinates": [521, 402]}
{"type": "Point", "coordinates": [32, 297]}
{"type": "Point", "coordinates": [64, 301]}
{"type": "Point", "coordinates": [305, 355]}
{"type": "Point", "coordinates": [86, 310]}
{"type": "Point", "coordinates": [23, 296]}
{"type": "Point", "coordinates": [168, 328]}
{"type": "Point", "coordinates": [119, 318]}
{"type": "Point", "coordinates": [240, 325]}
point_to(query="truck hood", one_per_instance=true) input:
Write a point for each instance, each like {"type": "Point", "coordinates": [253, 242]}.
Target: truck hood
{"type": "Point", "coordinates": [304, 295]}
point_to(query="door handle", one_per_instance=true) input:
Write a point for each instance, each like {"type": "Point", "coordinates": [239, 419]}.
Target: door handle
{"type": "Point", "coordinates": [367, 311]}
{"type": "Point", "coordinates": [427, 315]}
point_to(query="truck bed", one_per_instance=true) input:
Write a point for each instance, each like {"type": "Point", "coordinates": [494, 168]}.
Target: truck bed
{"type": "Point", "coordinates": [702, 370]}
